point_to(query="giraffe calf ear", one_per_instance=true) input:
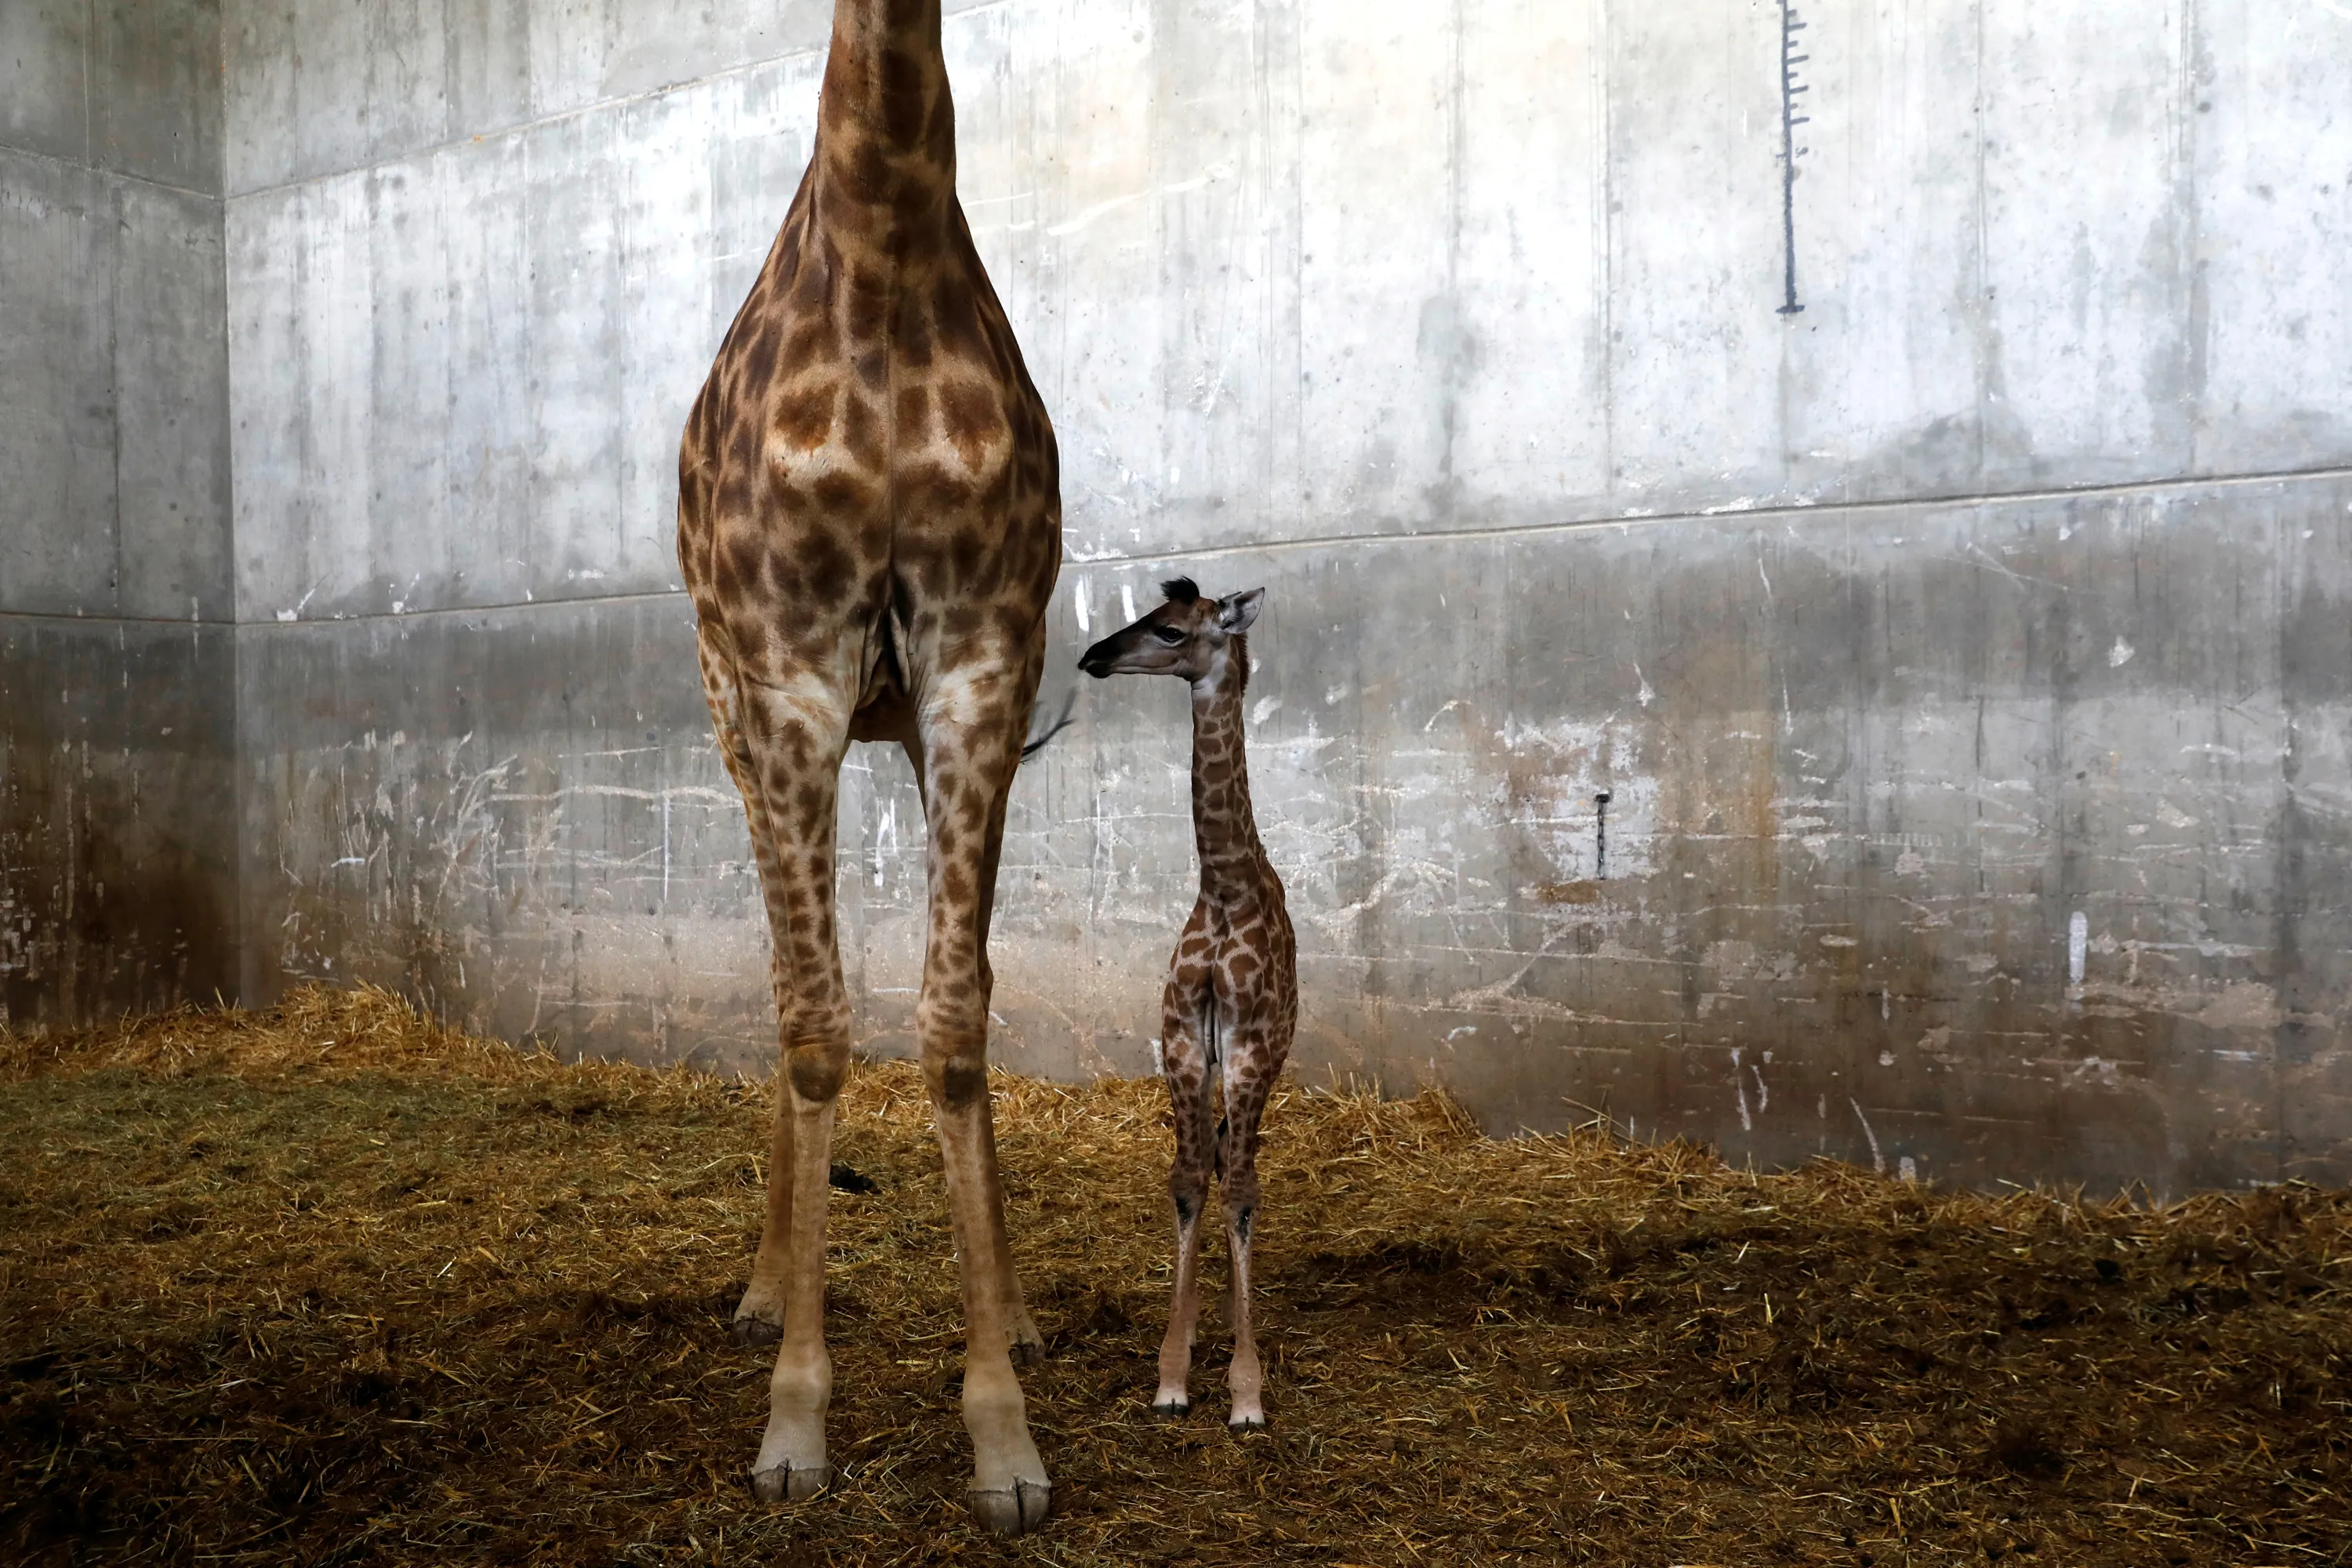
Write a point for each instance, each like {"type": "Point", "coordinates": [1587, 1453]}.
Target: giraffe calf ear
{"type": "Point", "coordinates": [1239, 613]}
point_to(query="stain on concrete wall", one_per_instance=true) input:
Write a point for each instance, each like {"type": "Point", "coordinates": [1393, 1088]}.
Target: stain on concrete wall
{"type": "Point", "coordinates": [118, 862]}
{"type": "Point", "coordinates": [117, 699]}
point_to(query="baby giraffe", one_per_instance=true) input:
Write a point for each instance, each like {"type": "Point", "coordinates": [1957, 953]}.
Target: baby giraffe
{"type": "Point", "coordinates": [1232, 1001]}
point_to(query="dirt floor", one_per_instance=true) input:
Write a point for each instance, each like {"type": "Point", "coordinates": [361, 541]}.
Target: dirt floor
{"type": "Point", "coordinates": [325, 1284]}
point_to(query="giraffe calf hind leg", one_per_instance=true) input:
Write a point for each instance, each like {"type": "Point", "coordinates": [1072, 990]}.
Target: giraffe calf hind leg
{"type": "Point", "coordinates": [1187, 1068]}
{"type": "Point", "coordinates": [1245, 1379]}
{"type": "Point", "coordinates": [1246, 1093]}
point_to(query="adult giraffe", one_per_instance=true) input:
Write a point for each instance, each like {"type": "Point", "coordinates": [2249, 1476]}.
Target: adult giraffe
{"type": "Point", "coordinates": [869, 522]}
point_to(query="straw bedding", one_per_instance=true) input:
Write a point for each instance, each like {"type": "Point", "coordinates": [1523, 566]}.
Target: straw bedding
{"type": "Point", "coordinates": [326, 1283]}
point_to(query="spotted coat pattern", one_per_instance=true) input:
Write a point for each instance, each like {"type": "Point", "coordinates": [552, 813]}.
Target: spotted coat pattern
{"type": "Point", "coordinates": [869, 526]}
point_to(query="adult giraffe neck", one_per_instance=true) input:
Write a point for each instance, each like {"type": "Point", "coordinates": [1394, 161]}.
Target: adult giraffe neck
{"type": "Point", "coordinates": [886, 125]}
{"type": "Point", "coordinates": [1224, 827]}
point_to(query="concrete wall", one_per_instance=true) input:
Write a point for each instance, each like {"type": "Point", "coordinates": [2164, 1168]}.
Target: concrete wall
{"type": "Point", "coordinates": [117, 711]}
{"type": "Point", "coordinates": [1961, 655]}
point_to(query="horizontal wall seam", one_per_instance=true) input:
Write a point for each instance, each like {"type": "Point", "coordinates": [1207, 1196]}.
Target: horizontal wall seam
{"type": "Point", "coordinates": [88, 167]}
{"type": "Point", "coordinates": [1809, 512]}
{"type": "Point", "coordinates": [522, 127]}
{"type": "Point", "coordinates": [51, 618]}
{"type": "Point", "coordinates": [598, 106]}
{"type": "Point", "coordinates": [1806, 510]}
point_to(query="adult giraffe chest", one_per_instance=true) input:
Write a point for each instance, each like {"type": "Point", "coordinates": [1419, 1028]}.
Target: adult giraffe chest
{"type": "Point", "coordinates": [893, 394]}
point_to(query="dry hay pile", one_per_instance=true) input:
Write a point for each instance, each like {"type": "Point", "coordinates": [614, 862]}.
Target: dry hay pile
{"type": "Point", "coordinates": [326, 1283]}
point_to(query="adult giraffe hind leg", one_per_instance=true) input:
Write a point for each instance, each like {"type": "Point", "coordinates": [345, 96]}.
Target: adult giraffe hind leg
{"type": "Point", "coordinates": [1185, 1061]}
{"type": "Point", "coordinates": [972, 721]}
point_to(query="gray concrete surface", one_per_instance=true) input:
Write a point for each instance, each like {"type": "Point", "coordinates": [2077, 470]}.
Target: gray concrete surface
{"type": "Point", "coordinates": [1963, 655]}
{"type": "Point", "coordinates": [117, 588]}
{"type": "Point", "coordinates": [1867, 769]}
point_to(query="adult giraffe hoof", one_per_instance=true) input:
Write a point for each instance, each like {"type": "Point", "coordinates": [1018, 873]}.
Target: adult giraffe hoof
{"type": "Point", "coordinates": [1169, 1407]}
{"type": "Point", "coordinates": [756, 1331]}
{"type": "Point", "coordinates": [1016, 1511]}
{"type": "Point", "coordinates": [787, 1483]}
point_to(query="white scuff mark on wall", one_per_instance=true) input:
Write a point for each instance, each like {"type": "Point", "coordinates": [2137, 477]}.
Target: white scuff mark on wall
{"type": "Point", "coordinates": [618, 792]}
{"type": "Point", "coordinates": [1264, 708]}
{"type": "Point", "coordinates": [1644, 696]}
{"type": "Point", "coordinates": [1086, 216]}
{"type": "Point", "coordinates": [1078, 602]}
{"type": "Point", "coordinates": [2120, 655]}
{"type": "Point", "coordinates": [1739, 1090]}
{"type": "Point", "coordinates": [1877, 1160]}
{"type": "Point", "coordinates": [2078, 946]}
{"type": "Point", "coordinates": [1763, 1089]}
{"type": "Point", "coordinates": [885, 839]}
{"type": "Point", "coordinates": [1126, 601]}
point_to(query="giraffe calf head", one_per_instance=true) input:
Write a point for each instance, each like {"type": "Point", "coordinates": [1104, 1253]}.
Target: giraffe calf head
{"type": "Point", "coordinates": [1184, 637]}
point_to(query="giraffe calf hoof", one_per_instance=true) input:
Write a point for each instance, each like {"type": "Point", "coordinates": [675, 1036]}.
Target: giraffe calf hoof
{"type": "Point", "coordinates": [788, 1483]}
{"type": "Point", "coordinates": [1027, 1352]}
{"type": "Point", "coordinates": [1170, 1408]}
{"type": "Point", "coordinates": [1240, 1423]}
{"type": "Point", "coordinates": [756, 1331]}
{"type": "Point", "coordinates": [1016, 1511]}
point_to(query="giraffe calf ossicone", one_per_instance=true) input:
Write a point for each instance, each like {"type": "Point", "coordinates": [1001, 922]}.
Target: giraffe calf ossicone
{"type": "Point", "coordinates": [1232, 1001]}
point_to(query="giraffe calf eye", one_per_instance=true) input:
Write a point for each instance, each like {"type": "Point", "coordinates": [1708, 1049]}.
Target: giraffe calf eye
{"type": "Point", "coordinates": [1169, 635]}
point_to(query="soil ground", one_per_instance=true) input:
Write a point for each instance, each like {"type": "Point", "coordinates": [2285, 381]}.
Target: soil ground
{"type": "Point", "coordinates": [327, 1284]}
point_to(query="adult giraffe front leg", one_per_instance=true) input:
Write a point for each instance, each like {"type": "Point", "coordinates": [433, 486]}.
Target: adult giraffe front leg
{"type": "Point", "coordinates": [973, 716]}
{"type": "Point", "coordinates": [794, 728]}
{"type": "Point", "coordinates": [1025, 1344]}
{"type": "Point", "coordinates": [760, 1315]}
